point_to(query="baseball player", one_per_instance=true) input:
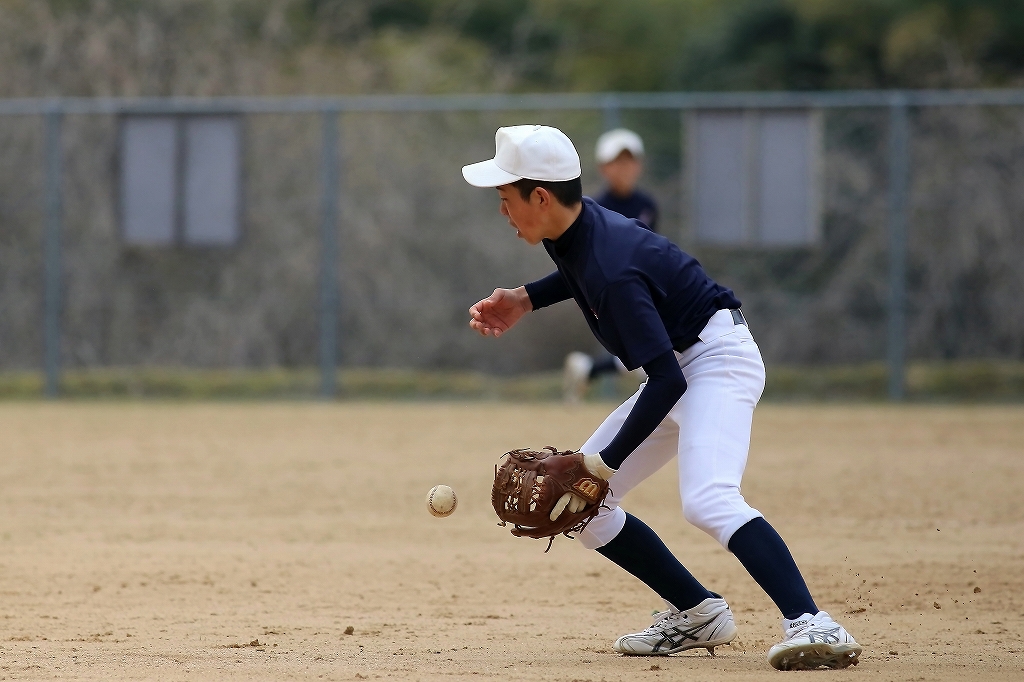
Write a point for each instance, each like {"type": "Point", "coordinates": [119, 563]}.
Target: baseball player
{"type": "Point", "coordinates": [619, 154]}
{"type": "Point", "coordinates": [653, 306]}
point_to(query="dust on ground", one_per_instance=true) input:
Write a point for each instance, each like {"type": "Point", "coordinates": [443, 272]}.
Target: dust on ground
{"type": "Point", "coordinates": [291, 541]}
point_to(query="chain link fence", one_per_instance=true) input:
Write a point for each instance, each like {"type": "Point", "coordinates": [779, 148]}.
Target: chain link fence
{"type": "Point", "coordinates": [362, 247]}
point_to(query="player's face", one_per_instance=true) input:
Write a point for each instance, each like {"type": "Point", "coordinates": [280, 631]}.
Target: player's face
{"type": "Point", "coordinates": [524, 215]}
{"type": "Point", "coordinates": [622, 173]}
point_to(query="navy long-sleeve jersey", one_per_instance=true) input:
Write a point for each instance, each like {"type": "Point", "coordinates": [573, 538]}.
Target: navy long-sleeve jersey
{"type": "Point", "coordinates": [638, 205]}
{"type": "Point", "coordinates": [642, 297]}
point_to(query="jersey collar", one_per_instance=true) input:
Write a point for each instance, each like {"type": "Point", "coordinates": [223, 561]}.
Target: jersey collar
{"type": "Point", "coordinates": [565, 241]}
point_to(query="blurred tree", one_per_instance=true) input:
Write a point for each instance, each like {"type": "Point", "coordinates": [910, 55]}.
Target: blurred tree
{"type": "Point", "coordinates": [789, 44]}
{"type": "Point", "coordinates": [249, 46]}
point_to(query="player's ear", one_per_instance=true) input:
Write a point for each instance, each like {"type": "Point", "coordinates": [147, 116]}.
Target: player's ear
{"type": "Point", "coordinates": [543, 196]}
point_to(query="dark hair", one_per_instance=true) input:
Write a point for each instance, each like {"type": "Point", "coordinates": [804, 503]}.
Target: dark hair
{"type": "Point", "coordinates": [568, 193]}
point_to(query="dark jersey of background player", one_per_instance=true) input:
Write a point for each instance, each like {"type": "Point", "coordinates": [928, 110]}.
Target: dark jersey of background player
{"type": "Point", "coordinates": [637, 204]}
{"type": "Point", "coordinates": [643, 298]}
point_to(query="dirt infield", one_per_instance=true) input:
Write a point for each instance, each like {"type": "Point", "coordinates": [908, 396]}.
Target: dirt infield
{"type": "Point", "coordinates": [243, 541]}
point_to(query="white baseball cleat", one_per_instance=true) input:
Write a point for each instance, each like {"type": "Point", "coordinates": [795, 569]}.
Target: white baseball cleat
{"type": "Point", "coordinates": [814, 642]}
{"type": "Point", "coordinates": [576, 376]}
{"type": "Point", "coordinates": [706, 625]}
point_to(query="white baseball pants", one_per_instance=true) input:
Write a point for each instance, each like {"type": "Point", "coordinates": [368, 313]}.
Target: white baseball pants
{"type": "Point", "coordinates": [708, 430]}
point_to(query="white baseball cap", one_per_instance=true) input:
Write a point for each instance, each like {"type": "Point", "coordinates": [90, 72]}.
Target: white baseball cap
{"type": "Point", "coordinates": [534, 152]}
{"type": "Point", "coordinates": [614, 142]}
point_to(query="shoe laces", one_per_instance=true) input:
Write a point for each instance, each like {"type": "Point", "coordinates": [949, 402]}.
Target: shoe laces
{"type": "Point", "coordinates": [662, 619]}
{"type": "Point", "coordinates": [814, 623]}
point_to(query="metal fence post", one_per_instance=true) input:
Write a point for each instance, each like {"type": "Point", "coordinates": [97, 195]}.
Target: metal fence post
{"type": "Point", "coordinates": [612, 112]}
{"type": "Point", "coordinates": [611, 118]}
{"type": "Point", "coordinates": [51, 252]}
{"type": "Point", "coordinates": [330, 177]}
{"type": "Point", "coordinates": [899, 186]}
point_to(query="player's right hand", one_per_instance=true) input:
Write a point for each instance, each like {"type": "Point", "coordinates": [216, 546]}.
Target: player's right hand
{"type": "Point", "coordinates": [497, 313]}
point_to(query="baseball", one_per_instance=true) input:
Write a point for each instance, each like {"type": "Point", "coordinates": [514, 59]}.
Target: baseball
{"type": "Point", "coordinates": [441, 501]}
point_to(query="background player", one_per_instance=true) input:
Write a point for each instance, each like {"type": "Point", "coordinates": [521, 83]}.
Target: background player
{"type": "Point", "coordinates": [619, 154]}
{"type": "Point", "coordinates": [653, 306]}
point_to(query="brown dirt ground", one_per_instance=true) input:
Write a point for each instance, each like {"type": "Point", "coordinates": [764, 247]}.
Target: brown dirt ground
{"type": "Point", "coordinates": [240, 541]}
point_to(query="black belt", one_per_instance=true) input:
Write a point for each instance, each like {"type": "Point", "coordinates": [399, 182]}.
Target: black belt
{"type": "Point", "coordinates": [737, 317]}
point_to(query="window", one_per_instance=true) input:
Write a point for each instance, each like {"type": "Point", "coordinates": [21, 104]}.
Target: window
{"type": "Point", "coordinates": [180, 180]}
{"type": "Point", "coordinates": [754, 177]}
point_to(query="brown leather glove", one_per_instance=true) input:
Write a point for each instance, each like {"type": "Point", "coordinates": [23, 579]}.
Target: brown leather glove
{"type": "Point", "coordinates": [529, 484]}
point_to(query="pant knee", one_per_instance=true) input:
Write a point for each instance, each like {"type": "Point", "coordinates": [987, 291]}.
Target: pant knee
{"type": "Point", "coordinates": [603, 528]}
{"type": "Point", "coordinates": [719, 514]}
{"type": "Point", "coordinates": [702, 517]}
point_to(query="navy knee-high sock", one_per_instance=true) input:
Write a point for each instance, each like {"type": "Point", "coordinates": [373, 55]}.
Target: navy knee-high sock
{"type": "Point", "coordinates": [768, 561]}
{"type": "Point", "coordinates": [639, 550]}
